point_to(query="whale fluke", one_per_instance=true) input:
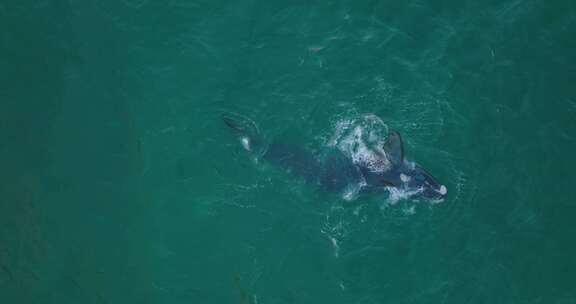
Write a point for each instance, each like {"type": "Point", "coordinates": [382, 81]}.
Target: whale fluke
{"type": "Point", "coordinates": [246, 130]}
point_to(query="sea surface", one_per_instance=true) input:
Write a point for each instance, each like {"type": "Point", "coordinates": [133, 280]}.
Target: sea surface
{"type": "Point", "coordinates": [119, 182]}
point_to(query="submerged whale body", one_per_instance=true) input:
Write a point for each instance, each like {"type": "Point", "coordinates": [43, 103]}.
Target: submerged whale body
{"type": "Point", "coordinates": [383, 170]}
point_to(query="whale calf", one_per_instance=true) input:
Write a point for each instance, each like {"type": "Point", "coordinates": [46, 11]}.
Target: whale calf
{"type": "Point", "coordinates": [383, 170]}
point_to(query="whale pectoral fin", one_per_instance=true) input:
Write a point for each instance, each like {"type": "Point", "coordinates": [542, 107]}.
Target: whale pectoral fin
{"type": "Point", "coordinates": [394, 148]}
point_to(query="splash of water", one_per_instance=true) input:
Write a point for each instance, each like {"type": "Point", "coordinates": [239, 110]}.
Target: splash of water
{"type": "Point", "coordinates": [361, 139]}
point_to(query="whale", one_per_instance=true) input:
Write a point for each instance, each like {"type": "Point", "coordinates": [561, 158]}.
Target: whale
{"type": "Point", "coordinates": [384, 171]}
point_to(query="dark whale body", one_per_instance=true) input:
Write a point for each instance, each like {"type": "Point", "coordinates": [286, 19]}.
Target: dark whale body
{"type": "Point", "coordinates": [333, 171]}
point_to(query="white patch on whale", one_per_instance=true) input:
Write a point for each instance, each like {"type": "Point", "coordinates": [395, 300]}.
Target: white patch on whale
{"type": "Point", "coordinates": [443, 190]}
{"type": "Point", "coordinates": [404, 178]}
{"type": "Point", "coordinates": [245, 143]}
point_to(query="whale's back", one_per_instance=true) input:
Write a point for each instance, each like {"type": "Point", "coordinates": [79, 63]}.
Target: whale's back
{"type": "Point", "coordinates": [331, 170]}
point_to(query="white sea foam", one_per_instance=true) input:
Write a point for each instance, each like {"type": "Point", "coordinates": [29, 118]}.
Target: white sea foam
{"type": "Point", "coordinates": [361, 139]}
{"type": "Point", "coordinates": [397, 194]}
{"type": "Point", "coordinates": [353, 190]}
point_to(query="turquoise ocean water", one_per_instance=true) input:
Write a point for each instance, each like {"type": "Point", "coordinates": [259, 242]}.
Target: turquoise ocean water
{"type": "Point", "coordinates": [119, 183]}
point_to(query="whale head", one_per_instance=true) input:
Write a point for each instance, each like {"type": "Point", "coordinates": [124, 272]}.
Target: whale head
{"type": "Point", "coordinates": [416, 179]}
{"type": "Point", "coordinates": [407, 175]}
